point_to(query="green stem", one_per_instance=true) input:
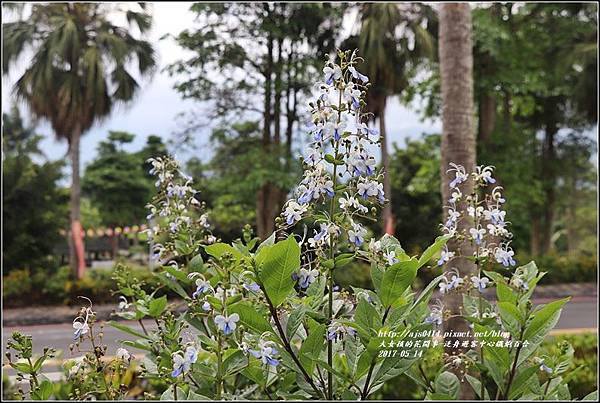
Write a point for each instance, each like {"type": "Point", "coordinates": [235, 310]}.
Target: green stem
{"type": "Point", "coordinates": [33, 375]}
{"type": "Point", "coordinates": [365, 391]}
{"type": "Point", "coordinates": [219, 384]}
{"type": "Point", "coordinates": [332, 257]}
{"type": "Point", "coordinates": [514, 366]}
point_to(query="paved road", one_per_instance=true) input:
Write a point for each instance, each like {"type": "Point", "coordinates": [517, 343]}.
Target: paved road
{"type": "Point", "coordinates": [577, 315]}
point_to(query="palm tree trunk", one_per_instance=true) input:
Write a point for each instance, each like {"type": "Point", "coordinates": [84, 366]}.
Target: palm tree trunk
{"type": "Point", "coordinates": [458, 138]}
{"type": "Point", "coordinates": [77, 259]}
{"type": "Point", "coordinates": [387, 215]}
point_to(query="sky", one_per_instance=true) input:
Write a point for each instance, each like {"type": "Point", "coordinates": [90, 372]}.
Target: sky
{"type": "Point", "coordinates": [157, 106]}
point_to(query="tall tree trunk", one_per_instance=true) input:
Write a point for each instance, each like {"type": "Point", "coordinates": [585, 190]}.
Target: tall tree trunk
{"type": "Point", "coordinates": [458, 138]}
{"type": "Point", "coordinates": [387, 215]}
{"type": "Point", "coordinates": [77, 258]}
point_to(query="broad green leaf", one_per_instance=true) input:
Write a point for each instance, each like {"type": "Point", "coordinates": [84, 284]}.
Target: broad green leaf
{"type": "Point", "coordinates": [178, 274]}
{"type": "Point", "coordinates": [21, 367]}
{"type": "Point", "coordinates": [505, 293]}
{"type": "Point", "coordinates": [294, 321]}
{"type": "Point", "coordinates": [520, 381]}
{"type": "Point", "coordinates": [476, 385]}
{"type": "Point", "coordinates": [234, 362]}
{"type": "Point", "coordinates": [592, 396]}
{"type": "Point", "coordinates": [219, 249]}
{"type": "Point", "coordinates": [45, 390]}
{"type": "Point", "coordinates": [312, 346]}
{"type": "Point", "coordinates": [511, 317]}
{"type": "Point", "coordinates": [433, 250]}
{"type": "Point", "coordinates": [157, 306]}
{"type": "Point", "coordinates": [543, 321]}
{"type": "Point", "coordinates": [196, 264]}
{"type": "Point", "coordinates": [438, 396]}
{"type": "Point", "coordinates": [366, 316]}
{"type": "Point", "coordinates": [396, 279]}
{"type": "Point", "coordinates": [447, 383]}
{"type": "Point", "coordinates": [282, 260]}
{"type": "Point", "coordinates": [343, 260]}
{"type": "Point", "coordinates": [376, 276]}
{"type": "Point", "coordinates": [250, 317]}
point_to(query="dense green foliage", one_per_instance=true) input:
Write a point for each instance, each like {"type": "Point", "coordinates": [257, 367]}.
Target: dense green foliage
{"type": "Point", "coordinates": [34, 205]}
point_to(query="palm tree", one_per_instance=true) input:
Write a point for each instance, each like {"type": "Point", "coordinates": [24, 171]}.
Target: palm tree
{"type": "Point", "coordinates": [79, 70]}
{"type": "Point", "coordinates": [393, 39]}
{"type": "Point", "coordinates": [458, 135]}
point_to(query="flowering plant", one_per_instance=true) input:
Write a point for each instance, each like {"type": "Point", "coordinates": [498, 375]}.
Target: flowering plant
{"type": "Point", "coordinates": [265, 318]}
{"type": "Point", "coordinates": [509, 331]}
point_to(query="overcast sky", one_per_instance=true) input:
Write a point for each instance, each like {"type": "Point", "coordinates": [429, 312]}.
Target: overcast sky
{"type": "Point", "coordinates": [155, 109]}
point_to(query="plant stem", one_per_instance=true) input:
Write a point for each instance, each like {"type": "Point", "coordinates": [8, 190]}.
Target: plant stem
{"type": "Point", "coordinates": [332, 257]}
{"type": "Point", "coordinates": [514, 366]}
{"type": "Point", "coordinates": [365, 391]}
{"type": "Point", "coordinates": [427, 381]}
{"type": "Point", "coordinates": [33, 375]}
{"type": "Point", "coordinates": [219, 364]}
{"type": "Point", "coordinates": [174, 391]}
{"type": "Point", "coordinates": [287, 345]}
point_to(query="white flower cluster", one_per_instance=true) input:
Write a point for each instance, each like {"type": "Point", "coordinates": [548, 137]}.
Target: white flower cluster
{"type": "Point", "coordinates": [489, 232]}
{"type": "Point", "coordinates": [339, 164]}
{"type": "Point", "coordinates": [174, 210]}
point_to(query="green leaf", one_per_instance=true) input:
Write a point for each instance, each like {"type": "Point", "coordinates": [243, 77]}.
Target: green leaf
{"type": "Point", "coordinates": [45, 390]}
{"type": "Point", "coordinates": [178, 274]}
{"type": "Point", "coordinates": [270, 241]}
{"type": "Point", "coordinates": [376, 276]}
{"type": "Point", "coordinates": [476, 385]}
{"type": "Point", "coordinates": [196, 265]}
{"type": "Point", "coordinates": [127, 329]}
{"type": "Point", "coordinates": [312, 346]}
{"type": "Point", "coordinates": [343, 259]}
{"type": "Point", "coordinates": [250, 317]}
{"type": "Point", "coordinates": [294, 321]}
{"type": "Point", "coordinates": [219, 249]}
{"type": "Point", "coordinates": [540, 324]}
{"type": "Point", "coordinates": [592, 396]}
{"type": "Point", "coordinates": [38, 363]}
{"type": "Point", "coordinates": [433, 250]}
{"type": "Point", "coordinates": [157, 306]}
{"type": "Point", "coordinates": [234, 362]}
{"type": "Point", "coordinates": [543, 321]}
{"type": "Point", "coordinates": [366, 316]}
{"type": "Point", "coordinates": [173, 285]}
{"type": "Point", "coordinates": [505, 293]}
{"type": "Point", "coordinates": [447, 383]}
{"type": "Point", "coordinates": [282, 260]}
{"type": "Point", "coordinates": [521, 381]}
{"type": "Point", "coordinates": [511, 317]}
{"type": "Point", "coordinates": [396, 279]}
{"type": "Point", "coordinates": [21, 367]}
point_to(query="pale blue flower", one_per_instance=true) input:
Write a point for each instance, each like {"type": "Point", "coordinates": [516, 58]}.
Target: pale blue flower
{"type": "Point", "coordinates": [357, 75]}
{"type": "Point", "coordinates": [227, 324]}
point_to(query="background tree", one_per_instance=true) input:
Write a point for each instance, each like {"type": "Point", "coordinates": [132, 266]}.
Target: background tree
{"type": "Point", "coordinates": [257, 61]}
{"type": "Point", "coordinates": [80, 69]}
{"type": "Point", "coordinates": [117, 184]}
{"type": "Point", "coordinates": [458, 138]}
{"type": "Point", "coordinates": [34, 205]}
